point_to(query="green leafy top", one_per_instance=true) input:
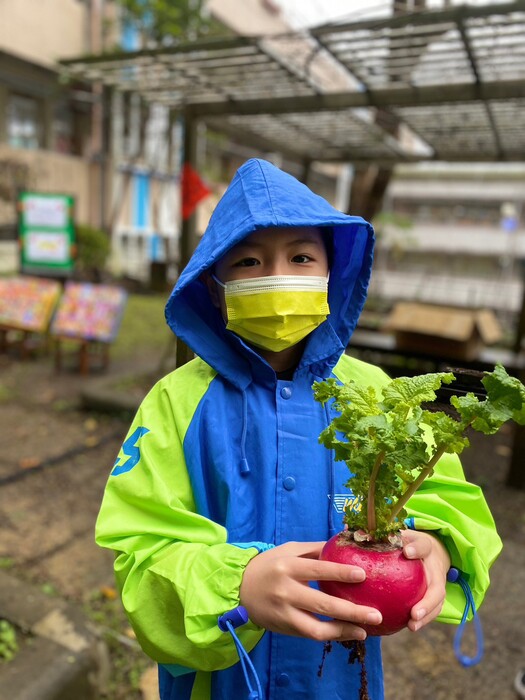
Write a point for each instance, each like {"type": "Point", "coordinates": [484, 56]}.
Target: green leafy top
{"type": "Point", "coordinates": [391, 445]}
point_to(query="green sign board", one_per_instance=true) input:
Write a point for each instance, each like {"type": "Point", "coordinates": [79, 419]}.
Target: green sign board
{"type": "Point", "coordinates": [46, 234]}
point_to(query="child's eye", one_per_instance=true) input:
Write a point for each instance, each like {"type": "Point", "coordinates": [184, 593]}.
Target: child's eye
{"type": "Point", "coordinates": [246, 262]}
{"type": "Point", "coordinates": [301, 258]}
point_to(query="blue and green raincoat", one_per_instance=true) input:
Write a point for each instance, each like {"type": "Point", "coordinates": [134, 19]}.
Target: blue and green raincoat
{"type": "Point", "coordinates": [223, 461]}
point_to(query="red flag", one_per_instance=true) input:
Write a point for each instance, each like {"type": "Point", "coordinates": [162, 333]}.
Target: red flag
{"type": "Point", "coordinates": [193, 190]}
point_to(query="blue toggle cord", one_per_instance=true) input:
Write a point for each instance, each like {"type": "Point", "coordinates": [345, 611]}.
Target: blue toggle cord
{"type": "Point", "coordinates": [455, 576]}
{"type": "Point", "coordinates": [227, 622]}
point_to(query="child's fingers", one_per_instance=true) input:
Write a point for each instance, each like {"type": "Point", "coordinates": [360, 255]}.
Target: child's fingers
{"type": "Point", "coordinates": [320, 603]}
{"type": "Point", "coordinates": [424, 546]}
{"type": "Point", "coordinates": [307, 550]}
{"type": "Point", "coordinates": [430, 605]}
{"type": "Point", "coordinates": [329, 571]}
{"type": "Point", "coordinates": [297, 613]}
{"type": "Point", "coordinates": [307, 625]}
{"type": "Point", "coordinates": [300, 623]}
{"type": "Point", "coordinates": [301, 560]}
{"type": "Point", "coordinates": [414, 545]}
{"type": "Point", "coordinates": [422, 617]}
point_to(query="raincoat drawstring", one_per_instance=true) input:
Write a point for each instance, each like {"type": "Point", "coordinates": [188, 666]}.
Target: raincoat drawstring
{"type": "Point", "coordinates": [455, 576]}
{"type": "Point", "coordinates": [331, 525]}
{"type": "Point", "coordinates": [227, 623]}
{"type": "Point", "coordinates": [244, 466]}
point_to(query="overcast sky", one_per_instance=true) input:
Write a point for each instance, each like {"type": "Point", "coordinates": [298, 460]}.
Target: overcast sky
{"type": "Point", "coordinates": [301, 13]}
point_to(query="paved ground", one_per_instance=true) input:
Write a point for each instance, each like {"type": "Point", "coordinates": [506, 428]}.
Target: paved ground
{"type": "Point", "coordinates": [53, 467]}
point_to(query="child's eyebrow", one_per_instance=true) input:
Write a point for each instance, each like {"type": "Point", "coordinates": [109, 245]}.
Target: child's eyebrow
{"type": "Point", "coordinates": [305, 240]}
{"type": "Point", "coordinates": [245, 246]}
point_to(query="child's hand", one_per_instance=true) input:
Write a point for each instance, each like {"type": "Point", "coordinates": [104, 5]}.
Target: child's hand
{"type": "Point", "coordinates": [276, 594]}
{"type": "Point", "coordinates": [435, 558]}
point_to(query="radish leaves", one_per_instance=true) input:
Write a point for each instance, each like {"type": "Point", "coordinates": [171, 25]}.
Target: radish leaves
{"type": "Point", "coordinates": [391, 444]}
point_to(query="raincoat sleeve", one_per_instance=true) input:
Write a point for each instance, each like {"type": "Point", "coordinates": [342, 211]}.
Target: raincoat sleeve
{"type": "Point", "coordinates": [175, 570]}
{"type": "Point", "coordinates": [456, 511]}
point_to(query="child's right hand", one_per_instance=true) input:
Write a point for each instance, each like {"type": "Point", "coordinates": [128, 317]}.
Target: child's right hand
{"type": "Point", "coordinates": [276, 594]}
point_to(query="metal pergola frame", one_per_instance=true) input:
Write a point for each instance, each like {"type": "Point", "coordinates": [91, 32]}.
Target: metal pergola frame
{"type": "Point", "coordinates": [434, 85]}
{"type": "Point", "coordinates": [453, 79]}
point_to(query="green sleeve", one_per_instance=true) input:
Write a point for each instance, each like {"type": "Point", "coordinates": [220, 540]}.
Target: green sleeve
{"type": "Point", "coordinates": [457, 512]}
{"type": "Point", "coordinates": [363, 373]}
{"type": "Point", "coordinates": [174, 568]}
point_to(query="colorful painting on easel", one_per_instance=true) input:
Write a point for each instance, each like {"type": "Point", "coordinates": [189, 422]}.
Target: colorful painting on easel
{"type": "Point", "coordinates": [27, 303]}
{"type": "Point", "coordinates": [89, 312]}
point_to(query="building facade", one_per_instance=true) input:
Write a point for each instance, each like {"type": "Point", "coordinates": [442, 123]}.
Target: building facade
{"type": "Point", "coordinates": [454, 234]}
{"type": "Point", "coordinates": [114, 155]}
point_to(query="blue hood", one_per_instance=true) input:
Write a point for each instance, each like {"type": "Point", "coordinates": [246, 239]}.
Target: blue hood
{"type": "Point", "coordinates": [260, 196]}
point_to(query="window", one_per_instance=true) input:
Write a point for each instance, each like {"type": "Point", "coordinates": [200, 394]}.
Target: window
{"type": "Point", "coordinates": [24, 129]}
{"type": "Point", "coordinates": [62, 128]}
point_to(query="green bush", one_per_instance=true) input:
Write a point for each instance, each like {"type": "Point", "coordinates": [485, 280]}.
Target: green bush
{"type": "Point", "coordinates": [93, 247]}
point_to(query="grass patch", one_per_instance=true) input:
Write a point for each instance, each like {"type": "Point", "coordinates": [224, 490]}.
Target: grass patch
{"type": "Point", "coordinates": [143, 327]}
{"type": "Point", "coordinates": [5, 394]}
{"type": "Point", "coordinates": [49, 589]}
{"type": "Point", "coordinates": [8, 641]}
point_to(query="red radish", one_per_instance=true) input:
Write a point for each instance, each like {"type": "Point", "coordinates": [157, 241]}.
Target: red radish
{"type": "Point", "coordinates": [393, 584]}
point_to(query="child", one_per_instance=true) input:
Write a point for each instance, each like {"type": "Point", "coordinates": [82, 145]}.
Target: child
{"type": "Point", "coordinates": [222, 495]}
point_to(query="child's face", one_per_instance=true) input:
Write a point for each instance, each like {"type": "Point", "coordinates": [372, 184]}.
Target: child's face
{"type": "Point", "coordinates": [275, 251]}
{"type": "Point", "coordinates": [270, 252]}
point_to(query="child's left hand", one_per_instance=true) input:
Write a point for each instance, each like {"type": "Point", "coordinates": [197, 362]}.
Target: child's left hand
{"type": "Point", "coordinates": [436, 561]}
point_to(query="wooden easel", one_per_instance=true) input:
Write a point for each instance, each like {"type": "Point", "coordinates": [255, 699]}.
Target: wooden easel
{"type": "Point", "coordinates": [92, 354]}
{"type": "Point", "coordinates": [26, 343]}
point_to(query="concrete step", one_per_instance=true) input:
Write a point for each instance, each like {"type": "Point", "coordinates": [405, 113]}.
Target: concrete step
{"type": "Point", "coordinates": [60, 655]}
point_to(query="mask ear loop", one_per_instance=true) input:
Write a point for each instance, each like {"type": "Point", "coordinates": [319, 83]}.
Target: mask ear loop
{"type": "Point", "coordinates": [221, 284]}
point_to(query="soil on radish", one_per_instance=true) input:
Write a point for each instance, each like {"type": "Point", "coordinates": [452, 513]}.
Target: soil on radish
{"type": "Point", "coordinates": [357, 653]}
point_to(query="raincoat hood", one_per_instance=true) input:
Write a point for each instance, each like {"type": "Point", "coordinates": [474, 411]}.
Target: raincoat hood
{"type": "Point", "coordinates": [261, 196]}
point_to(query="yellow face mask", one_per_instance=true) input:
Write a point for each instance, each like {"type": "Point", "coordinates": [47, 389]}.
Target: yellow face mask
{"type": "Point", "coordinates": [275, 312]}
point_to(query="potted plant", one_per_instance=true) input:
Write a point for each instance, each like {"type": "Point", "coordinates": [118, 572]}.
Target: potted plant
{"type": "Point", "coordinates": [391, 444]}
